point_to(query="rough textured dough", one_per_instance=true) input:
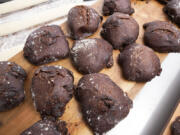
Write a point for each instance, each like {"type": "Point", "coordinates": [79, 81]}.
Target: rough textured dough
{"type": "Point", "coordinates": [139, 63]}
{"type": "Point", "coordinates": [162, 36]}
{"type": "Point", "coordinates": [45, 45]}
{"type": "Point", "coordinates": [91, 55]}
{"type": "Point", "coordinates": [120, 30]}
{"type": "Point", "coordinates": [52, 89]}
{"type": "Point", "coordinates": [47, 127]}
{"type": "Point", "coordinates": [12, 79]}
{"type": "Point", "coordinates": [106, 104]}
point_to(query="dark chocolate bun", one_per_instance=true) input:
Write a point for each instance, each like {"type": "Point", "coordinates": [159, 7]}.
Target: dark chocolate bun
{"type": "Point", "coordinates": [47, 127]}
{"type": "Point", "coordinates": [122, 6]}
{"type": "Point", "coordinates": [91, 55]}
{"type": "Point", "coordinates": [175, 127]}
{"type": "Point", "coordinates": [12, 78]}
{"type": "Point", "coordinates": [120, 30]}
{"type": "Point", "coordinates": [52, 89]}
{"type": "Point", "coordinates": [103, 103]}
{"type": "Point", "coordinates": [139, 63]}
{"type": "Point", "coordinates": [172, 9]}
{"type": "Point", "coordinates": [83, 21]}
{"type": "Point", "coordinates": [162, 36]}
{"type": "Point", "coordinates": [45, 45]}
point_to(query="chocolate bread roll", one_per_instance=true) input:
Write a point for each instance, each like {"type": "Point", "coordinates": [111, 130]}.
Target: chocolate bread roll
{"type": "Point", "coordinates": [83, 21]}
{"type": "Point", "coordinates": [172, 9]}
{"type": "Point", "coordinates": [162, 36]}
{"type": "Point", "coordinates": [120, 30]}
{"type": "Point", "coordinates": [52, 89]}
{"type": "Point", "coordinates": [103, 103]}
{"type": "Point", "coordinates": [175, 127]}
{"type": "Point", "coordinates": [45, 45]}
{"type": "Point", "coordinates": [91, 55]}
{"type": "Point", "coordinates": [139, 63]}
{"type": "Point", "coordinates": [47, 127]}
{"type": "Point", "coordinates": [122, 6]}
{"type": "Point", "coordinates": [12, 78]}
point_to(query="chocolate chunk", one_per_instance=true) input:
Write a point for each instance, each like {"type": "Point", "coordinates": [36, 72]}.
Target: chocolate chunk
{"type": "Point", "coordinates": [47, 127]}
{"type": "Point", "coordinates": [122, 6]}
{"type": "Point", "coordinates": [12, 78]}
{"type": "Point", "coordinates": [172, 9]}
{"type": "Point", "coordinates": [162, 36]}
{"type": "Point", "coordinates": [91, 55]}
{"type": "Point", "coordinates": [102, 102]}
{"type": "Point", "coordinates": [175, 127]}
{"type": "Point", "coordinates": [120, 30]}
{"type": "Point", "coordinates": [52, 88]}
{"type": "Point", "coordinates": [83, 21]}
{"type": "Point", "coordinates": [139, 63]}
{"type": "Point", "coordinates": [45, 45]}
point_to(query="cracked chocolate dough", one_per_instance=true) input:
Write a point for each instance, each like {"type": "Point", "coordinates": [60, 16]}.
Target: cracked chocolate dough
{"type": "Point", "coordinates": [45, 45]}
{"type": "Point", "coordinates": [162, 36]}
{"type": "Point", "coordinates": [175, 127]}
{"type": "Point", "coordinates": [120, 30]}
{"type": "Point", "coordinates": [47, 127]}
{"type": "Point", "coordinates": [52, 88]}
{"type": "Point", "coordinates": [139, 63]}
{"type": "Point", "coordinates": [91, 55]}
{"type": "Point", "coordinates": [83, 21]}
{"type": "Point", "coordinates": [122, 6]}
{"type": "Point", "coordinates": [172, 9]}
{"type": "Point", "coordinates": [12, 78]}
{"type": "Point", "coordinates": [105, 105]}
